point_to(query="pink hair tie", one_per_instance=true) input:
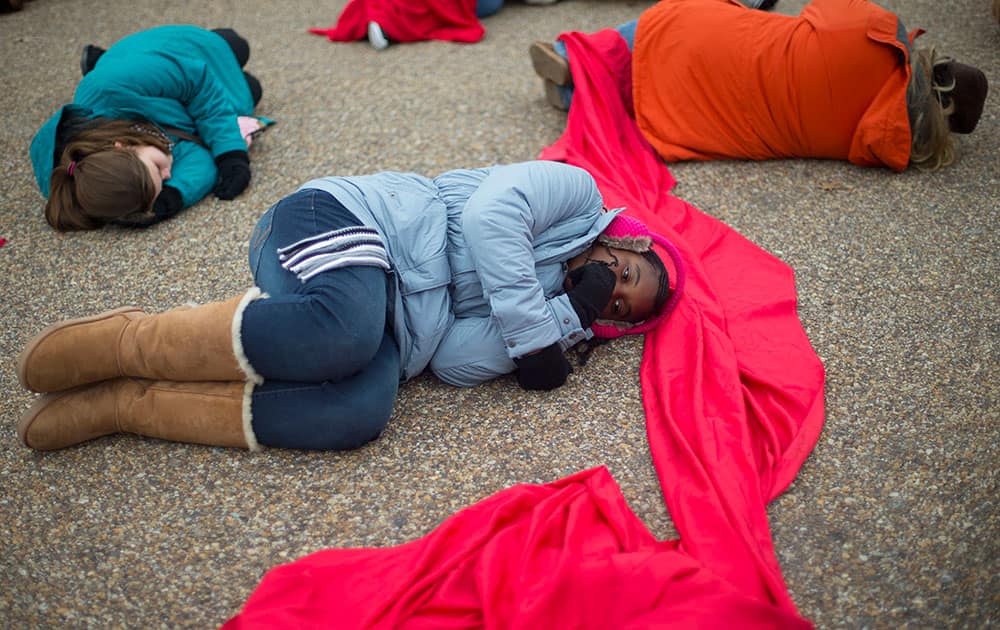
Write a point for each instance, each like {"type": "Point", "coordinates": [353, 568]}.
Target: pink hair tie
{"type": "Point", "coordinates": [71, 168]}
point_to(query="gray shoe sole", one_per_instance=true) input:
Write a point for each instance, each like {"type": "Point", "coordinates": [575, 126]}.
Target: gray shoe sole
{"type": "Point", "coordinates": [549, 64]}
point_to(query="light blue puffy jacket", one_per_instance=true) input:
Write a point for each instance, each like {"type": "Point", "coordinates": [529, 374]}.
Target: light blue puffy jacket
{"type": "Point", "coordinates": [479, 257]}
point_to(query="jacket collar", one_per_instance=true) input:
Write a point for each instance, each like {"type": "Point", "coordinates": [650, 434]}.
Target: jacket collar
{"type": "Point", "coordinates": [43, 145]}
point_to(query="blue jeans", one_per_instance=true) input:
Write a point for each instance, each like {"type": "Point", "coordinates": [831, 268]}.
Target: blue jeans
{"type": "Point", "coordinates": [627, 32]}
{"type": "Point", "coordinates": [331, 366]}
{"type": "Point", "coordinates": [486, 8]}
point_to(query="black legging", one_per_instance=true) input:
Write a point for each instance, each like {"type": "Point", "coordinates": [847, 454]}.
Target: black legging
{"type": "Point", "coordinates": [241, 48]}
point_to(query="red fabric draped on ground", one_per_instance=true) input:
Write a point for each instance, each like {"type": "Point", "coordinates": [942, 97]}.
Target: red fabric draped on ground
{"type": "Point", "coordinates": [733, 394]}
{"type": "Point", "coordinates": [408, 21]}
{"type": "Point", "coordinates": [568, 554]}
{"type": "Point", "coordinates": [732, 388]}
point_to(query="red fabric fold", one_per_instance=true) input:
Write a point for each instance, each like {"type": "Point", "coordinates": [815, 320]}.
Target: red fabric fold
{"type": "Point", "coordinates": [568, 554]}
{"type": "Point", "coordinates": [408, 21]}
{"type": "Point", "coordinates": [733, 395]}
{"type": "Point", "coordinates": [732, 389]}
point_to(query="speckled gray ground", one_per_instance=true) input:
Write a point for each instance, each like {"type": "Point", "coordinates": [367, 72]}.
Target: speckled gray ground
{"type": "Point", "coordinates": [892, 522]}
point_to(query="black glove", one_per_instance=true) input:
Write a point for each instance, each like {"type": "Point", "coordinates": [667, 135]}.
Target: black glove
{"type": "Point", "coordinates": [593, 286]}
{"type": "Point", "coordinates": [168, 203]}
{"type": "Point", "coordinates": [546, 369]}
{"type": "Point", "coordinates": [234, 174]}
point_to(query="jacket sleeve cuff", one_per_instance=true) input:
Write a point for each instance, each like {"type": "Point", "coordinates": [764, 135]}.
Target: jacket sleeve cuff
{"type": "Point", "coordinates": [568, 321]}
{"type": "Point", "coordinates": [562, 327]}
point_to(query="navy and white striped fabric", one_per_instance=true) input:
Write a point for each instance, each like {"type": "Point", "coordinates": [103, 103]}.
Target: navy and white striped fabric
{"type": "Point", "coordinates": [350, 246]}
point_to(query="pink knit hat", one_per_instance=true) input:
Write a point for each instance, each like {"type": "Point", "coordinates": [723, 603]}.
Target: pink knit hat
{"type": "Point", "coordinates": [625, 232]}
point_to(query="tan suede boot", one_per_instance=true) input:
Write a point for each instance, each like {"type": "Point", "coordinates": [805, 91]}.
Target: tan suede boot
{"type": "Point", "coordinates": [200, 343]}
{"type": "Point", "coordinates": [216, 414]}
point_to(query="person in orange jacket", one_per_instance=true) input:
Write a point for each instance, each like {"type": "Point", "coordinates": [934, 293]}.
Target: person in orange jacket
{"type": "Point", "coordinates": [713, 79]}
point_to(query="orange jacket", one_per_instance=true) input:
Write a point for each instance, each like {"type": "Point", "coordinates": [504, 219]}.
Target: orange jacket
{"type": "Point", "coordinates": [713, 79]}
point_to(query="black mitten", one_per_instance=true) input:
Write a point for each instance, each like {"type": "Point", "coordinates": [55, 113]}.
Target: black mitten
{"type": "Point", "coordinates": [168, 203]}
{"type": "Point", "coordinates": [593, 286]}
{"type": "Point", "coordinates": [546, 369]}
{"type": "Point", "coordinates": [234, 174]}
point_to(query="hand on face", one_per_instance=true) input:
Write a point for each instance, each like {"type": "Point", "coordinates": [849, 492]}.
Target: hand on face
{"type": "Point", "coordinates": [590, 289]}
{"type": "Point", "coordinates": [157, 162]}
{"type": "Point", "coordinates": [636, 282]}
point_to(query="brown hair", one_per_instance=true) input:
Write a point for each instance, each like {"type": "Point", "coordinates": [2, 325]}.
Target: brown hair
{"type": "Point", "coordinates": [96, 181]}
{"type": "Point", "coordinates": [932, 145]}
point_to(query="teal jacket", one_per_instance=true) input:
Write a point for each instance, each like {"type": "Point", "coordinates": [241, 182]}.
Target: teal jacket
{"type": "Point", "coordinates": [181, 77]}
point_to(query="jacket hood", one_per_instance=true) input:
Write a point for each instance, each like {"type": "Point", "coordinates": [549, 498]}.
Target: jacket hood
{"type": "Point", "coordinates": [43, 145]}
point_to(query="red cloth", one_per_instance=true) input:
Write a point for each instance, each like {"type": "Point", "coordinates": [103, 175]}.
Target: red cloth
{"type": "Point", "coordinates": [568, 554]}
{"type": "Point", "coordinates": [732, 388]}
{"type": "Point", "coordinates": [408, 20]}
{"type": "Point", "coordinates": [733, 395]}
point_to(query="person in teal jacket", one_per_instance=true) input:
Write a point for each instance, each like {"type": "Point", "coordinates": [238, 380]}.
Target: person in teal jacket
{"type": "Point", "coordinates": [362, 283]}
{"type": "Point", "coordinates": [152, 129]}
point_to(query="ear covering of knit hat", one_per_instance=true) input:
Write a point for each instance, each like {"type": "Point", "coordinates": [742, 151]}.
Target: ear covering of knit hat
{"type": "Point", "coordinates": [629, 233]}
{"type": "Point", "coordinates": [968, 95]}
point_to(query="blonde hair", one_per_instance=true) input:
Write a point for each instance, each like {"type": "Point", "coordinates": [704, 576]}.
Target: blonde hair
{"type": "Point", "coordinates": [932, 145]}
{"type": "Point", "coordinates": [98, 179]}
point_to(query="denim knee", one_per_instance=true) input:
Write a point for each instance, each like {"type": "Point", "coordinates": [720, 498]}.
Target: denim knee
{"type": "Point", "coordinates": [333, 415]}
{"type": "Point", "coordinates": [364, 422]}
{"type": "Point", "coordinates": [346, 329]}
{"type": "Point", "coordinates": [486, 8]}
{"type": "Point", "coordinates": [301, 339]}
{"type": "Point", "coordinates": [324, 416]}
{"type": "Point", "coordinates": [335, 350]}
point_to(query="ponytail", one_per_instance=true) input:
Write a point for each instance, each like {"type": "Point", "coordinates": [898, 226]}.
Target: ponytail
{"type": "Point", "coordinates": [99, 180]}
{"type": "Point", "coordinates": [932, 145]}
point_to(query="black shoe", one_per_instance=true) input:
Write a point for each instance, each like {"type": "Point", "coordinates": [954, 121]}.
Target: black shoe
{"type": "Point", "coordinates": [89, 57]}
{"type": "Point", "coordinates": [11, 5]}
